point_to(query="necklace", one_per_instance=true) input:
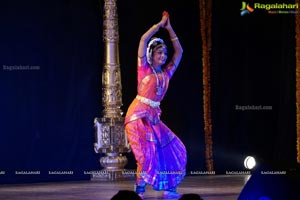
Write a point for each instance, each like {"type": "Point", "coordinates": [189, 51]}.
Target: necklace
{"type": "Point", "coordinates": [160, 89]}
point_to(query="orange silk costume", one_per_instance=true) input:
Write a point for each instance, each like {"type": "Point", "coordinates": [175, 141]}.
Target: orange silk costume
{"type": "Point", "coordinates": [160, 154]}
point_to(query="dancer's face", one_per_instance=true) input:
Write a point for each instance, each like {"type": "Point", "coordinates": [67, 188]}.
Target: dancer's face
{"type": "Point", "coordinates": [159, 56]}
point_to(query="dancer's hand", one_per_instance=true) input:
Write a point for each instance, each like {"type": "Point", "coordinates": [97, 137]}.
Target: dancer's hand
{"type": "Point", "coordinates": [167, 24]}
{"type": "Point", "coordinates": [164, 20]}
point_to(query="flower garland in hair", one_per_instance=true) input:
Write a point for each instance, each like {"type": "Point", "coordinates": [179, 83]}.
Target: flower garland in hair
{"type": "Point", "coordinates": [205, 22]}
{"type": "Point", "coordinates": [297, 30]}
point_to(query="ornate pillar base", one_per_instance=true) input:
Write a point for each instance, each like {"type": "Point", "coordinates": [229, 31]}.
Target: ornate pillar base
{"type": "Point", "coordinates": [111, 140]}
{"type": "Point", "coordinates": [113, 168]}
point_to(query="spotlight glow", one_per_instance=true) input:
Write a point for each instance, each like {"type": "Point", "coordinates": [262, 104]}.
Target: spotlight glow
{"type": "Point", "coordinates": [249, 162]}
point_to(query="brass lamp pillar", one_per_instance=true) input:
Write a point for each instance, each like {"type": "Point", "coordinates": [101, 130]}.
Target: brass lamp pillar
{"type": "Point", "coordinates": [110, 134]}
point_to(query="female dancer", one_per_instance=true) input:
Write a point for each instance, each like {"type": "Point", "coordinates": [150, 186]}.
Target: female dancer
{"type": "Point", "coordinates": [160, 155]}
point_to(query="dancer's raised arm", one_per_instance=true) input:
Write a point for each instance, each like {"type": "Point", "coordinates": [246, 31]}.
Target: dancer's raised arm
{"type": "Point", "coordinates": [148, 34]}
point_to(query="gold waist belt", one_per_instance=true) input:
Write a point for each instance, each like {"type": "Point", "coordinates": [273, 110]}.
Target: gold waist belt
{"type": "Point", "coordinates": [147, 101]}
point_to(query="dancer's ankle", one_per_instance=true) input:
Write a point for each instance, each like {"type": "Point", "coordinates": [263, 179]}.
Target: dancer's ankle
{"type": "Point", "coordinates": [140, 190]}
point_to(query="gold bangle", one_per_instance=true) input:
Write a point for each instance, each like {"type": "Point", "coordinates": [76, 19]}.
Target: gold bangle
{"type": "Point", "coordinates": [174, 38]}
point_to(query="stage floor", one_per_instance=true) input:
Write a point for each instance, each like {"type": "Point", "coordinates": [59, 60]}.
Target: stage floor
{"type": "Point", "coordinates": [209, 187]}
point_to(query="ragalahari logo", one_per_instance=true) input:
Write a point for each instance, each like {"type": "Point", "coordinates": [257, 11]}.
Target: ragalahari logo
{"type": "Point", "coordinates": [271, 8]}
{"type": "Point", "coordinates": [246, 9]}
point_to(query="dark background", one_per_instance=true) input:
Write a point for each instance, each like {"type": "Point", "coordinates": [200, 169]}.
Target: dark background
{"type": "Point", "coordinates": [46, 115]}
